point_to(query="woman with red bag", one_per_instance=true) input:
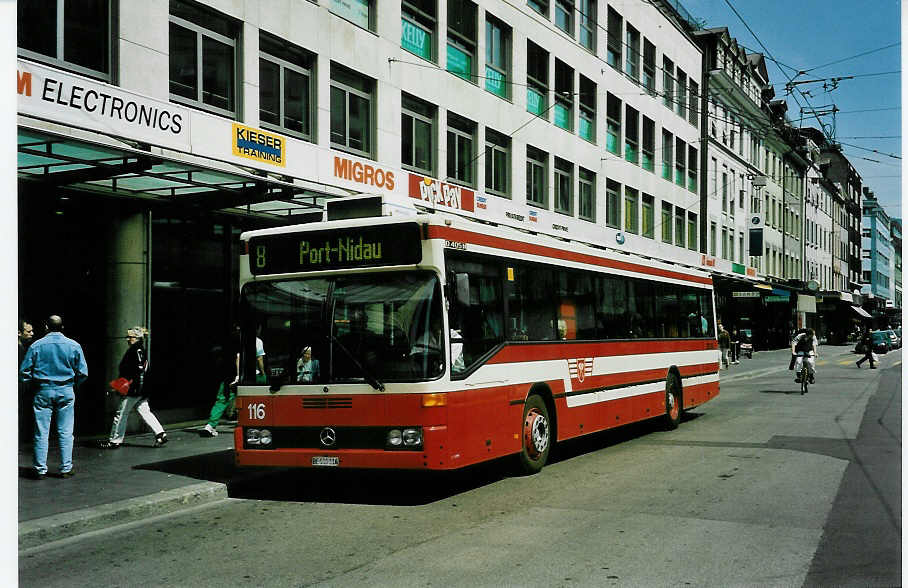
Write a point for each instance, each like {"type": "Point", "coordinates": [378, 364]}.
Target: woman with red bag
{"type": "Point", "coordinates": [133, 367]}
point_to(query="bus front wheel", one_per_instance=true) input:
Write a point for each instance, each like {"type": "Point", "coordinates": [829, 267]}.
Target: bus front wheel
{"type": "Point", "coordinates": [672, 402]}
{"type": "Point", "coordinates": [536, 435]}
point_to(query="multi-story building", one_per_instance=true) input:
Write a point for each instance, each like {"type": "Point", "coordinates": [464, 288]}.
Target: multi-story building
{"type": "Point", "coordinates": [876, 251]}
{"type": "Point", "coordinates": [896, 224]}
{"type": "Point", "coordinates": [151, 134]}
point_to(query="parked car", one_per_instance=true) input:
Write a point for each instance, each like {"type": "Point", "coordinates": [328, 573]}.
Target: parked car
{"type": "Point", "coordinates": [895, 341]}
{"type": "Point", "coordinates": [881, 341]}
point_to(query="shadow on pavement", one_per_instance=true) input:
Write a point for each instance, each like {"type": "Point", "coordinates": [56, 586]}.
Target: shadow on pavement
{"type": "Point", "coordinates": [212, 467]}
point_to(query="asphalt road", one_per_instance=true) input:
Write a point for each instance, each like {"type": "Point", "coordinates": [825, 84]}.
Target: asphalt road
{"type": "Point", "coordinates": [760, 487]}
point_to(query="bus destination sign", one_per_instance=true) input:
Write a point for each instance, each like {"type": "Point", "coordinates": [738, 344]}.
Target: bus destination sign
{"type": "Point", "coordinates": [336, 249]}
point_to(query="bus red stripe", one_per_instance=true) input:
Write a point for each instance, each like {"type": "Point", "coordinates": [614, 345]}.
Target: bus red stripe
{"type": "Point", "coordinates": [463, 236]}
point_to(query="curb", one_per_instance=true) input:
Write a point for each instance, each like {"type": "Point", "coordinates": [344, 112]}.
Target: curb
{"type": "Point", "coordinates": [62, 526]}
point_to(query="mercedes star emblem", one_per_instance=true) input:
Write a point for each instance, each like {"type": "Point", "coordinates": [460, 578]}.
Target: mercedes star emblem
{"type": "Point", "coordinates": [328, 437]}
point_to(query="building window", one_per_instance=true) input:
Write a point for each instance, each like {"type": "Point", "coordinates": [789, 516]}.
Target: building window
{"type": "Point", "coordinates": [359, 12]}
{"type": "Point", "coordinates": [712, 239]}
{"type": "Point", "coordinates": [564, 96]}
{"type": "Point", "coordinates": [418, 22]}
{"type": "Point", "coordinates": [498, 163]}
{"type": "Point", "coordinates": [587, 100]}
{"type": "Point", "coordinates": [564, 186]}
{"type": "Point", "coordinates": [537, 176]}
{"type": "Point", "coordinates": [285, 87]}
{"type": "Point", "coordinates": [498, 57]}
{"type": "Point", "coordinates": [649, 144]}
{"type": "Point", "coordinates": [724, 243]}
{"type": "Point", "coordinates": [694, 106]}
{"type": "Point", "coordinates": [461, 153]}
{"type": "Point", "coordinates": [680, 158]}
{"type": "Point", "coordinates": [351, 111]}
{"type": "Point", "coordinates": [537, 80]}
{"type": "Point", "coordinates": [681, 96]}
{"type": "Point", "coordinates": [631, 202]}
{"type": "Point", "coordinates": [72, 35]}
{"type": "Point", "coordinates": [648, 217]}
{"type": "Point", "coordinates": [631, 135]}
{"type": "Point", "coordinates": [540, 6]}
{"type": "Point", "coordinates": [417, 122]}
{"type": "Point", "coordinates": [667, 150]}
{"type": "Point", "coordinates": [461, 38]}
{"type": "Point", "coordinates": [666, 222]}
{"type": "Point", "coordinates": [587, 195]}
{"type": "Point", "coordinates": [613, 50]}
{"type": "Point", "coordinates": [649, 67]}
{"type": "Point", "coordinates": [588, 24]}
{"type": "Point", "coordinates": [564, 16]}
{"type": "Point", "coordinates": [692, 231]}
{"type": "Point", "coordinates": [202, 58]}
{"type": "Point", "coordinates": [612, 203]}
{"type": "Point", "coordinates": [613, 123]}
{"type": "Point", "coordinates": [741, 248]}
{"type": "Point", "coordinates": [668, 82]}
{"type": "Point", "coordinates": [724, 191]}
{"type": "Point", "coordinates": [692, 169]}
{"type": "Point", "coordinates": [679, 226]}
{"type": "Point", "coordinates": [632, 63]}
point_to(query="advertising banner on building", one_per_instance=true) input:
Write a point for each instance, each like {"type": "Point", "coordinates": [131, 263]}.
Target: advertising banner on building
{"type": "Point", "coordinates": [67, 98]}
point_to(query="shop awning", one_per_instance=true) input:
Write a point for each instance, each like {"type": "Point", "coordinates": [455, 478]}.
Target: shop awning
{"type": "Point", "coordinates": [763, 286]}
{"type": "Point", "coordinates": [122, 170]}
{"type": "Point", "coordinates": [861, 311]}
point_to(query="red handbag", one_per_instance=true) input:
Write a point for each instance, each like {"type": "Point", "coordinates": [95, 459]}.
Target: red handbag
{"type": "Point", "coordinates": [121, 386]}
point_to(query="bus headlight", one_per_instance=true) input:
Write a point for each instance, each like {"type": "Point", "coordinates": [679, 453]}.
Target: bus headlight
{"type": "Point", "coordinates": [407, 438]}
{"type": "Point", "coordinates": [412, 437]}
{"type": "Point", "coordinates": [258, 437]}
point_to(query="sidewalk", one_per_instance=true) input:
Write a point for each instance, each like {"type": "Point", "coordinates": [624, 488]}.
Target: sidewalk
{"type": "Point", "coordinates": [112, 487]}
{"type": "Point", "coordinates": [139, 481]}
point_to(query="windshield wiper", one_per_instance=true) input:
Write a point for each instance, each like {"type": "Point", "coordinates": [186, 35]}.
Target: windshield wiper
{"type": "Point", "coordinates": [367, 375]}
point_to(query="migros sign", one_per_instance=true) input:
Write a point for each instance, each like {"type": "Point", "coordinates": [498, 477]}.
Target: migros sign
{"type": "Point", "coordinates": [363, 173]}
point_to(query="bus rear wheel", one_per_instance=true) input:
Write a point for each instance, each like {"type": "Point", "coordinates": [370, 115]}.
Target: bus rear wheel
{"type": "Point", "coordinates": [672, 402]}
{"type": "Point", "coordinates": [536, 435]}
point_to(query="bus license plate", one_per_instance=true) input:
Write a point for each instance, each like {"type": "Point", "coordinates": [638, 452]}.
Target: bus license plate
{"type": "Point", "coordinates": [324, 460]}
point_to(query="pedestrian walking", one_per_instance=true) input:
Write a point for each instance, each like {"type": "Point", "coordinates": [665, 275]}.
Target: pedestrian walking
{"type": "Point", "coordinates": [867, 345]}
{"type": "Point", "coordinates": [227, 369]}
{"type": "Point", "coordinates": [134, 367]}
{"type": "Point", "coordinates": [724, 344]}
{"type": "Point", "coordinates": [54, 366]}
{"type": "Point", "coordinates": [735, 347]}
{"type": "Point", "coordinates": [26, 413]}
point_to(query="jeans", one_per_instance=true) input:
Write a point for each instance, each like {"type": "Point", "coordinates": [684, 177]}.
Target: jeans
{"type": "Point", "coordinates": [60, 402]}
{"type": "Point", "coordinates": [118, 430]}
{"type": "Point", "coordinates": [811, 366]}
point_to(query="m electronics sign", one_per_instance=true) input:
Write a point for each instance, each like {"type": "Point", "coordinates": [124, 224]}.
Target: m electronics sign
{"type": "Point", "coordinates": [259, 145]}
{"type": "Point", "coordinates": [65, 98]}
{"type": "Point", "coordinates": [382, 245]}
{"type": "Point", "coordinates": [440, 194]}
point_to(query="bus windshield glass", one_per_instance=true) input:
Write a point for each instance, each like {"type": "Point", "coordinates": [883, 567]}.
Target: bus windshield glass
{"type": "Point", "coordinates": [375, 328]}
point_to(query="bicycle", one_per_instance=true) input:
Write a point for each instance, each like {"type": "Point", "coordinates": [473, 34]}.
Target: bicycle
{"type": "Point", "coordinates": [804, 373]}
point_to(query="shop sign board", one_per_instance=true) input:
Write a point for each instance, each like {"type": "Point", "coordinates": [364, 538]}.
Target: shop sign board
{"type": "Point", "coordinates": [440, 194]}
{"type": "Point", "coordinates": [66, 98]}
{"type": "Point", "coordinates": [259, 145]}
{"type": "Point", "coordinates": [745, 294]}
{"type": "Point", "coordinates": [776, 299]}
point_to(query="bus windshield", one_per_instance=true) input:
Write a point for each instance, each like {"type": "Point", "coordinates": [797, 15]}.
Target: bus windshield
{"type": "Point", "coordinates": [374, 328]}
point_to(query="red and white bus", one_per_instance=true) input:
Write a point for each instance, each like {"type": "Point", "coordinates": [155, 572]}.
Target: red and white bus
{"type": "Point", "coordinates": [433, 341]}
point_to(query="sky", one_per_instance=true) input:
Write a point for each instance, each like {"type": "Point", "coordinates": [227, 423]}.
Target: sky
{"type": "Point", "coordinates": [828, 39]}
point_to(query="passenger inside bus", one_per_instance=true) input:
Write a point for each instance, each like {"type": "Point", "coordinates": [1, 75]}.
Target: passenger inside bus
{"type": "Point", "coordinates": [307, 369]}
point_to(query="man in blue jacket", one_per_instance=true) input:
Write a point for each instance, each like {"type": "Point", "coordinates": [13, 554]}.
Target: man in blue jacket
{"type": "Point", "coordinates": [54, 365]}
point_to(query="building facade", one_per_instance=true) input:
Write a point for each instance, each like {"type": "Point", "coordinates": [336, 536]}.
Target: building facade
{"type": "Point", "coordinates": [877, 257]}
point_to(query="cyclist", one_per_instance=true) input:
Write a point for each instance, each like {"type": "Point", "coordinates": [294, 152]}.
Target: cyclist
{"type": "Point", "coordinates": [805, 345]}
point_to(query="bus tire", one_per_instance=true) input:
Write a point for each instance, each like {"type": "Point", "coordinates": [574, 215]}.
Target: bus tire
{"type": "Point", "coordinates": [672, 402]}
{"type": "Point", "coordinates": [536, 435]}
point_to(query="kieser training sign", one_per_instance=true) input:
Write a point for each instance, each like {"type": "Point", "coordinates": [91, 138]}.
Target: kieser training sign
{"type": "Point", "coordinates": [259, 145]}
{"type": "Point", "coordinates": [66, 98]}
